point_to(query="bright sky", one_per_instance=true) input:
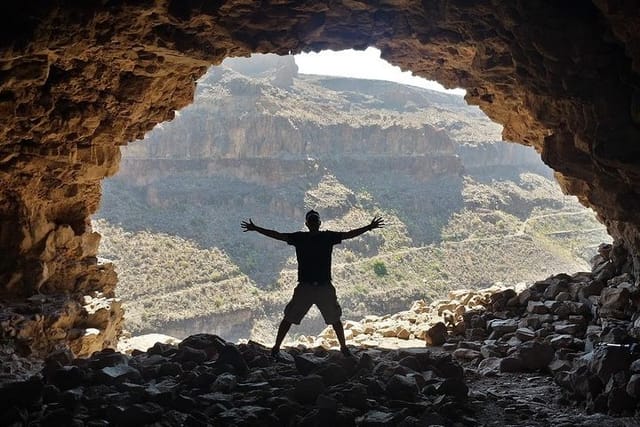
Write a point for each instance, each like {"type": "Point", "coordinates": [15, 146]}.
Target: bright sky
{"type": "Point", "coordinates": [363, 65]}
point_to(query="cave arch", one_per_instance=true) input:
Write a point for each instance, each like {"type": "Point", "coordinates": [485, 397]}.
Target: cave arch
{"type": "Point", "coordinates": [78, 80]}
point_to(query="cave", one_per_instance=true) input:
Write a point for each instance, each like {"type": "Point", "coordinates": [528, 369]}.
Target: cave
{"type": "Point", "coordinates": [80, 79]}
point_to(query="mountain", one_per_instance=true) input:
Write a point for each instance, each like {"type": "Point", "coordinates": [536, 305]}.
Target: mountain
{"type": "Point", "coordinates": [261, 141]}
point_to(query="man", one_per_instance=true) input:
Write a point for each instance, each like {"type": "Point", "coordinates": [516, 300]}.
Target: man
{"type": "Point", "coordinates": [313, 251]}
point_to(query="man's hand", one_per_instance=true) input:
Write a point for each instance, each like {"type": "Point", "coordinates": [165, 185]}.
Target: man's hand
{"type": "Point", "coordinates": [377, 222]}
{"type": "Point", "coordinates": [248, 226]}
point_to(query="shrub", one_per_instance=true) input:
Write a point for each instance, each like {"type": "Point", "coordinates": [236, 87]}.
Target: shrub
{"type": "Point", "coordinates": [379, 268]}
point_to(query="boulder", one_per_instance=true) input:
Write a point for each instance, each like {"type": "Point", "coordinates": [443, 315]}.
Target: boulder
{"type": "Point", "coordinates": [534, 355]}
{"type": "Point", "coordinates": [606, 360]}
{"type": "Point", "coordinates": [436, 335]}
{"type": "Point", "coordinates": [613, 302]}
{"type": "Point", "coordinates": [308, 388]}
{"type": "Point", "coordinates": [401, 387]}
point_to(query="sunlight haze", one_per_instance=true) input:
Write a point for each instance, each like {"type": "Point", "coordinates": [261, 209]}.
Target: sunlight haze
{"type": "Point", "coordinates": [365, 64]}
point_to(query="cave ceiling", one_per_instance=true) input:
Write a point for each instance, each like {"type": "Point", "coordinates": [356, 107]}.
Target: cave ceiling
{"type": "Point", "coordinates": [79, 79]}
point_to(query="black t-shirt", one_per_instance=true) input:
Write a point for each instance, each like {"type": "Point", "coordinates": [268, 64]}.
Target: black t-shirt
{"type": "Point", "coordinates": [313, 251]}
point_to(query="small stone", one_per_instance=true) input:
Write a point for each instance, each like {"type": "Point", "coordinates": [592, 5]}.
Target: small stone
{"type": "Point", "coordinates": [635, 367]}
{"type": "Point", "coordinates": [613, 302]}
{"type": "Point", "coordinates": [308, 388]}
{"type": "Point", "coordinates": [531, 322]}
{"type": "Point", "coordinates": [466, 354]}
{"type": "Point", "coordinates": [306, 363]}
{"type": "Point", "coordinates": [606, 360]}
{"type": "Point", "coordinates": [450, 346]}
{"type": "Point", "coordinates": [534, 355]}
{"type": "Point", "coordinates": [230, 354]}
{"type": "Point", "coordinates": [491, 350]}
{"type": "Point", "coordinates": [503, 326]}
{"type": "Point", "coordinates": [554, 289]}
{"type": "Point", "coordinates": [225, 383]}
{"type": "Point", "coordinates": [332, 374]}
{"type": "Point", "coordinates": [402, 387]}
{"type": "Point", "coordinates": [453, 387]}
{"type": "Point", "coordinates": [67, 377]}
{"type": "Point", "coordinates": [561, 341]}
{"type": "Point", "coordinates": [404, 334]}
{"type": "Point", "coordinates": [436, 335]}
{"type": "Point", "coordinates": [377, 418]}
{"type": "Point", "coordinates": [633, 386]}
{"type": "Point", "coordinates": [119, 374]}
{"type": "Point", "coordinates": [489, 367]}
{"type": "Point", "coordinates": [569, 328]}
{"type": "Point", "coordinates": [525, 334]}
{"type": "Point", "coordinates": [524, 297]}
{"type": "Point", "coordinates": [510, 364]}
{"type": "Point", "coordinates": [559, 366]}
{"type": "Point", "coordinates": [552, 305]}
{"type": "Point", "coordinates": [537, 307]}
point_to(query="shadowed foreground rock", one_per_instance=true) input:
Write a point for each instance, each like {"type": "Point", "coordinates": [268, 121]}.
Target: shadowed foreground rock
{"type": "Point", "coordinates": [580, 330]}
{"type": "Point", "coordinates": [207, 381]}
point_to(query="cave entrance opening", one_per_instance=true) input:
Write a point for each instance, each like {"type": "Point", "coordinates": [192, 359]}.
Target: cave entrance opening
{"type": "Point", "coordinates": [270, 137]}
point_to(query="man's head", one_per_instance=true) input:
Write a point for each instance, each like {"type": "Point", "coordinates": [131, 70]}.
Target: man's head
{"type": "Point", "coordinates": [312, 220]}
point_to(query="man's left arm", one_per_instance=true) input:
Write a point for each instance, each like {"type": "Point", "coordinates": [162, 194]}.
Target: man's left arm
{"type": "Point", "coordinates": [377, 222]}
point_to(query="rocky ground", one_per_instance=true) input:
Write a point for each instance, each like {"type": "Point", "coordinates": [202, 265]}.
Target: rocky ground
{"type": "Point", "coordinates": [562, 352]}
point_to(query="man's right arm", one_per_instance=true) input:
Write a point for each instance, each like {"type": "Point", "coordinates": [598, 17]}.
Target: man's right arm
{"type": "Point", "coordinates": [250, 226]}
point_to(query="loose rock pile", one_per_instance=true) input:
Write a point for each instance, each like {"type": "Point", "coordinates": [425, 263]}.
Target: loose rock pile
{"type": "Point", "coordinates": [206, 381]}
{"type": "Point", "coordinates": [582, 329]}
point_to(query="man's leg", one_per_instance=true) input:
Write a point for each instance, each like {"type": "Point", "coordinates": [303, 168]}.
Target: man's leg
{"type": "Point", "coordinates": [293, 313]}
{"type": "Point", "coordinates": [282, 332]}
{"type": "Point", "coordinates": [337, 326]}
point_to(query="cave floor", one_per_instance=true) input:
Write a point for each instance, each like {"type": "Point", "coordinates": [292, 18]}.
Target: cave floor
{"type": "Point", "coordinates": [519, 399]}
{"type": "Point", "coordinates": [507, 399]}
{"type": "Point", "coordinates": [530, 400]}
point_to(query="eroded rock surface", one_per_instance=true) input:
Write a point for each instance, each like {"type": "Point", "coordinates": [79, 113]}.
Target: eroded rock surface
{"type": "Point", "coordinates": [78, 80]}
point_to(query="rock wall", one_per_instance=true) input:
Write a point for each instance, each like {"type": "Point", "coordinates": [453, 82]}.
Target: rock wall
{"type": "Point", "coordinates": [241, 126]}
{"type": "Point", "coordinates": [79, 79]}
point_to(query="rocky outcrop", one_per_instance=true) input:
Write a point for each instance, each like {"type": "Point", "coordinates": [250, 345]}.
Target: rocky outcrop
{"type": "Point", "coordinates": [582, 330]}
{"type": "Point", "coordinates": [80, 79]}
{"type": "Point", "coordinates": [207, 381]}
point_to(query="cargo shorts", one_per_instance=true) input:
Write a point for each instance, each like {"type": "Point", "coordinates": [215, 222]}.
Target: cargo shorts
{"type": "Point", "coordinates": [323, 295]}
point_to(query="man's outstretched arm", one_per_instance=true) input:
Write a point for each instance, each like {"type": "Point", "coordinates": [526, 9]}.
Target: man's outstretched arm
{"type": "Point", "coordinates": [250, 226]}
{"type": "Point", "coordinates": [377, 222]}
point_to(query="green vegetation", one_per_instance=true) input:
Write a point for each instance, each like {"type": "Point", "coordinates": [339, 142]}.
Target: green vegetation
{"type": "Point", "coordinates": [379, 268]}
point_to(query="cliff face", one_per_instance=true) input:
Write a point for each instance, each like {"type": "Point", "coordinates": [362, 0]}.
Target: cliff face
{"type": "Point", "coordinates": [246, 124]}
{"type": "Point", "coordinates": [77, 80]}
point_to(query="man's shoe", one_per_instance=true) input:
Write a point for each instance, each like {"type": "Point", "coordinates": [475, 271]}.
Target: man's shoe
{"type": "Point", "coordinates": [346, 352]}
{"type": "Point", "coordinates": [275, 353]}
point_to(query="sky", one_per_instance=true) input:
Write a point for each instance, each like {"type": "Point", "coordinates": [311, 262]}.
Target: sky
{"type": "Point", "coordinates": [365, 64]}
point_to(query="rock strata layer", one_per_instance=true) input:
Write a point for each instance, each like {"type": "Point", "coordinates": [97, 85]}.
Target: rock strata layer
{"type": "Point", "coordinates": [79, 79]}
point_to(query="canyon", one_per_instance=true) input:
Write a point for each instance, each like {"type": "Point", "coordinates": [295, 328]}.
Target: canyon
{"type": "Point", "coordinates": [263, 141]}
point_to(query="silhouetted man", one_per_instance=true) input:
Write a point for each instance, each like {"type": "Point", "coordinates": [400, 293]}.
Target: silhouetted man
{"type": "Point", "coordinates": [313, 251]}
